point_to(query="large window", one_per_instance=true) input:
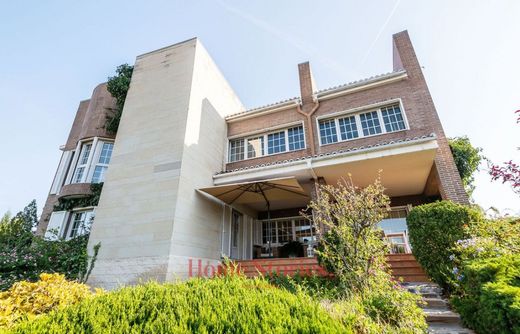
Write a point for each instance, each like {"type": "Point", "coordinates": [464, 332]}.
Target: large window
{"type": "Point", "coordinates": [370, 123]}
{"type": "Point", "coordinates": [276, 142]}
{"type": "Point", "coordinates": [286, 140]}
{"type": "Point", "coordinates": [362, 124]}
{"type": "Point", "coordinates": [92, 161]}
{"type": "Point", "coordinates": [290, 229]}
{"type": "Point", "coordinates": [102, 164]}
{"type": "Point", "coordinates": [348, 128]}
{"type": "Point", "coordinates": [236, 150]}
{"type": "Point", "coordinates": [393, 118]}
{"type": "Point", "coordinates": [79, 224]}
{"type": "Point", "coordinates": [296, 138]}
{"type": "Point", "coordinates": [328, 132]}
{"type": "Point", "coordinates": [82, 163]}
{"type": "Point", "coordinates": [255, 147]}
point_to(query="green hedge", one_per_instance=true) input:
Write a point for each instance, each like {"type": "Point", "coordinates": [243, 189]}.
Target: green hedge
{"type": "Point", "coordinates": [433, 230]}
{"type": "Point", "coordinates": [220, 305]}
{"type": "Point", "coordinates": [490, 302]}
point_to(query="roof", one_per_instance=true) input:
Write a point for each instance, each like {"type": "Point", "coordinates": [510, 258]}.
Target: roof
{"type": "Point", "coordinates": [320, 93]}
{"type": "Point", "coordinates": [337, 153]}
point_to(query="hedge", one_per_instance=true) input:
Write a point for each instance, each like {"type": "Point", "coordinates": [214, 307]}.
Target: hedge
{"type": "Point", "coordinates": [220, 305]}
{"type": "Point", "coordinates": [490, 302]}
{"type": "Point", "coordinates": [433, 230]}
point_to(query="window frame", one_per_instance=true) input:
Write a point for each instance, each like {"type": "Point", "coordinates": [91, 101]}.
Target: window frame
{"type": "Point", "coordinates": [97, 157]}
{"type": "Point", "coordinates": [69, 227]}
{"type": "Point", "coordinates": [80, 164]}
{"type": "Point", "coordinates": [265, 148]}
{"type": "Point", "coordinates": [292, 236]}
{"type": "Point", "coordinates": [356, 113]}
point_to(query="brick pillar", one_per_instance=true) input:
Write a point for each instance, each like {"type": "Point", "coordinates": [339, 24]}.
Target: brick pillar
{"type": "Point", "coordinates": [307, 85]}
{"type": "Point", "coordinates": [451, 187]}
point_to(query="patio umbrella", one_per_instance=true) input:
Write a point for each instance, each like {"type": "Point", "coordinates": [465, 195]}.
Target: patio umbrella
{"type": "Point", "coordinates": [252, 193]}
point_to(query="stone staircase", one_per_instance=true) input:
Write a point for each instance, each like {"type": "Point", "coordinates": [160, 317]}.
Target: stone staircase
{"type": "Point", "coordinates": [441, 320]}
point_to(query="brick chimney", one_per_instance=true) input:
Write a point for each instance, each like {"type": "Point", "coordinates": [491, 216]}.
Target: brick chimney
{"type": "Point", "coordinates": [307, 85]}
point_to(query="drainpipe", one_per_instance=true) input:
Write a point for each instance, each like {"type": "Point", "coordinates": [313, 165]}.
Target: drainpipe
{"type": "Point", "coordinates": [309, 123]}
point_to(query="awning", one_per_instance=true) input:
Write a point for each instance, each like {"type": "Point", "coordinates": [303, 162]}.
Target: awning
{"type": "Point", "coordinates": [256, 194]}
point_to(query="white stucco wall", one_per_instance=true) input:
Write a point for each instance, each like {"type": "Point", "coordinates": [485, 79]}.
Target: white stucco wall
{"type": "Point", "coordinates": [151, 222]}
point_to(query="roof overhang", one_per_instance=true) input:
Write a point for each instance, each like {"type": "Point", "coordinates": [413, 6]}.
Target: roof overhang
{"type": "Point", "coordinates": [404, 167]}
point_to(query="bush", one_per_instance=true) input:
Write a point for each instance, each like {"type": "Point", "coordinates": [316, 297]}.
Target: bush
{"type": "Point", "coordinates": [352, 246]}
{"type": "Point", "coordinates": [231, 304]}
{"type": "Point", "coordinates": [380, 311]}
{"type": "Point", "coordinates": [433, 230]}
{"type": "Point", "coordinates": [315, 286]}
{"type": "Point", "coordinates": [489, 298]}
{"type": "Point", "coordinates": [26, 300]}
{"type": "Point", "coordinates": [384, 309]}
{"type": "Point", "coordinates": [35, 255]}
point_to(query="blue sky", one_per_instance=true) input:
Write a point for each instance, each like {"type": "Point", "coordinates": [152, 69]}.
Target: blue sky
{"type": "Point", "coordinates": [55, 52]}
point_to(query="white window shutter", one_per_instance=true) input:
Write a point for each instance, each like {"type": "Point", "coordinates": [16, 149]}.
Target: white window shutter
{"type": "Point", "coordinates": [55, 227]}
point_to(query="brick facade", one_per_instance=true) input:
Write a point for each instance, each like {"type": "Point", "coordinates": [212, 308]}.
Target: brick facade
{"type": "Point", "coordinates": [417, 103]}
{"type": "Point", "coordinates": [88, 123]}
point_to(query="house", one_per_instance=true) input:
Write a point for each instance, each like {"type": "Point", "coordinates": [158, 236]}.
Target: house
{"type": "Point", "coordinates": [192, 176]}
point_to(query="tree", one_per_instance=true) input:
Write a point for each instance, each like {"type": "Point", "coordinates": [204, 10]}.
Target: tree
{"type": "Point", "coordinates": [509, 172]}
{"type": "Point", "coordinates": [351, 245]}
{"type": "Point", "coordinates": [118, 86]}
{"type": "Point", "coordinates": [29, 215]}
{"type": "Point", "coordinates": [467, 159]}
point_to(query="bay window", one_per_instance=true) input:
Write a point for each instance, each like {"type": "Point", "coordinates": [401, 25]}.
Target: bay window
{"type": "Point", "coordinates": [92, 162]}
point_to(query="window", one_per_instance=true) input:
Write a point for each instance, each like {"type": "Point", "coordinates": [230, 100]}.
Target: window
{"type": "Point", "coordinates": [328, 132]}
{"type": "Point", "coordinates": [236, 228]}
{"type": "Point", "coordinates": [348, 128]}
{"type": "Point", "coordinates": [285, 230]}
{"type": "Point", "coordinates": [370, 123]}
{"type": "Point", "coordinates": [304, 231]}
{"type": "Point", "coordinates": [102, 164]}
{"type": "Point", "coordinates": [393, 118]}
{"type": "Point", "coordinates": [290, 139]}
{"type": "Point", "coordinates": [296, 138]}
{"type": "Point", "coordinates": [255, 147]}
{"type": "Point", "coordinates": [82, 163]}
{"type": "Point", "coordinates": [276, 142]}
{"type": "Point", "coordinates": [80, 223]}
{"type": "Point", "coordinates": [236, 150]}
{"type": "Point", "coordinates": [362, 124]}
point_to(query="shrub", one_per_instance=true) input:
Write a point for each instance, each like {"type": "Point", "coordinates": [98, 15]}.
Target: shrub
{"type": "Point", "coordinates": [433, 230]}
{"type": "Point", "coordinates": [230, 304]}
{"type": "Point", "coordinates": [489, 298]}
{"type": "Point", "coordinates": [315, 286]}
{"type": "Point", "coordinates": [352, 246]}
{"type": "Point", "coordinates": [26, 300]}
{"type": "Point", "coordinates": [381, 311]}
{"type": "Point", "coordinates": [387, 308]}
{"type": "Point", "coordinates": [28, 261]}
{"type": "Point", "coordinates": [118, 87]}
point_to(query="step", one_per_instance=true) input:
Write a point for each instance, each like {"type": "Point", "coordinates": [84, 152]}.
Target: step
{"type": "Point", "coordinates": [440, 328]}
{"type": "Point", "coordinates": [441, 316]}
{"type": "Point", "coordinates": [408, 271]}
{"type": "Point", "coordinates": [435, 303]}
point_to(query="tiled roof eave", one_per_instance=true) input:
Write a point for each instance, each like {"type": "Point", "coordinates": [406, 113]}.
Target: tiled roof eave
{"type": "Point", "coordinates": [338, 153]}
{"type": "Point", "coordinates": [319, 94]}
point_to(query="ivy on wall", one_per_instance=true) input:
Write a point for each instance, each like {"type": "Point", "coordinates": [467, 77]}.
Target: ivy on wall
{"type": "Point", "coordinates": [67, 204]}
{"type": "Point", "coordinates": [118, 86]}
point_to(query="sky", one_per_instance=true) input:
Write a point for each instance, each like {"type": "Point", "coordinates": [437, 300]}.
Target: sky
{"type": "Point", "coordinates": [53, 54]}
